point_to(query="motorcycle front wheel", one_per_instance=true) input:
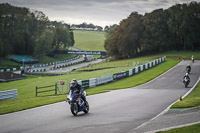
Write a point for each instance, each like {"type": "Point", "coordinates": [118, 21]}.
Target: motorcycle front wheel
{"type": "Point", "coordinates": [74, 109]}
{"type": "Point", "coordinates": [86, 110]}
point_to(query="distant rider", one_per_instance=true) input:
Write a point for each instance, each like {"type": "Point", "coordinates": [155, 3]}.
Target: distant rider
{"type": "Point", "coordinates": [186, 76]}
{"type": "Point", "coordinates": [188, 68]}
{"type": "Point", "coordinates": [77, 87]}
{"type": "Point", "coordinates": [192, 58]}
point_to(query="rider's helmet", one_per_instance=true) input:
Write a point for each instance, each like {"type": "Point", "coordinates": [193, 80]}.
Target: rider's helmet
{"type": "Point", "coordinates": [186, 74]}
{"type": "Point", "coordinates": [74, 82]}
{"type": "Point", "coordinates": [188, 65]}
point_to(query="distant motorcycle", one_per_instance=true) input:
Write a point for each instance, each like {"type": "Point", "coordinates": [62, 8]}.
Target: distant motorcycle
{"type": "Point", "coordinates": [186, 81]}
{"type": "Point", "coordinates": [188, 70]}
{"type": "Point", "coordinates": [192, 59]}
{"type": "Point", "coordinates": [77, 104]}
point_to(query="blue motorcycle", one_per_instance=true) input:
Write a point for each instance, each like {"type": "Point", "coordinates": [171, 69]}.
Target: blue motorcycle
{"type": "Point", "coordinates": [77, 104]}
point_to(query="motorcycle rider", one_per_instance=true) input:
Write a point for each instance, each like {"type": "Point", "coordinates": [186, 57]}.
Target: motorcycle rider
{"type": "Point", "coordinates": [186, 76]}
{"type": "Point", "coordinates": [192, 58]}
{"type": "Point", "coordinates": [188, 68]}
{"type": "Point", "coordinates": [75, 86]}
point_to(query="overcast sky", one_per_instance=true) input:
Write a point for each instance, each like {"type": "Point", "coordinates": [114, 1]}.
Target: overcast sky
{"type": "Point", "coordinates": [98, 12]}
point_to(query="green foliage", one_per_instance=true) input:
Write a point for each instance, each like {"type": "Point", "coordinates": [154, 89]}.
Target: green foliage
{"type": "Point", "coordinates": [176, 28]}
{"type": "Point", "coordinates": [1, 49]}
{"type": "Point", "coordinates": [154, 39]}
{"type": "Point", "coordinates": [126, 39]}
{"type": "Point", "coordinates": [44, 43]}
{"type": "Point", "coordinates": [24, 32]}
{"type": "Point", "coordinates": [188, 129]}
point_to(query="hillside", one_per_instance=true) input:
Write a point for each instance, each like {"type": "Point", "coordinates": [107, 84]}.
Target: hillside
{"type": "Point", "coordinates": [89, 40]}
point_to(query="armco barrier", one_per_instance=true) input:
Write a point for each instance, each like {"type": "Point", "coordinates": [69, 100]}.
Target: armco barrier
{"type": "Point", "coordinates": [10, 94]}
{"type": "Point", "coordinates": [130, 72]}
{"type": "Point", "coordinates": [141, 68]}
{"type": "Point", "coordinates": [92, 82]}
{"type": "Point", "coordinates": [146, 66]}
{"type": "Point", "coordinates": [109, 78]}
{"type": "Point", "coordinates": [117, 76]}
{"type": "Point", "coordinates": [136, 69]}
{"type": "Point", "coordinates": [104, 79]}
{"type": "Point", "coordinates": [85, 84]}
{"type": "Point", "coordinates": [37, 66]}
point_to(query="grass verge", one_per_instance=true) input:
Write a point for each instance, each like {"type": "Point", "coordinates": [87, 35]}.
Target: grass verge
{"type": "Point", "coordinates": [26, 88]}
{"type": "Point", "coordinates": [135, 80]}
{"type": "Point", "coordinates": [192, 100]}
{"type": "Point", "coordinates": [89, 40]}
{"type": "Point", "coordinates": [188, 129]}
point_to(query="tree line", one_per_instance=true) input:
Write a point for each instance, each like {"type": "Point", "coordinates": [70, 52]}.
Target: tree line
{"type": "Point", "coordinates": [86, 26]}
{"type": "Point", "coordinates": [176, 28]}
{"type": "Point", "coordinates": [26, 32]}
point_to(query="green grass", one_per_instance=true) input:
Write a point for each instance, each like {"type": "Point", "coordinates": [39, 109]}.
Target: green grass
{"type": "Point", "coordinates": [183, 54]}
{"type": "Point", "coordinates": [26, 88]}
{"type": "Point", "coordinates": [136, 79]}
{"type": "Point", "coordinates": [89, 40]}
{"type": "Point", "coordinates": [188, 129]}
{"type": "Point", "coordinates": [111, 67]}
{"type": "Point", "coordinates": [47, 59]}
{"type": "Point", "coordinates": [192, 100]}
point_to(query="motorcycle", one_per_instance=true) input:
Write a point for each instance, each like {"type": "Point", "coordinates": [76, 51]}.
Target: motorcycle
{"type": "Point", "coordinates": [186, 81]}
{"type": "Point", "coordinates": [192, 59]}
{"type": "Point", "coordinates": [188, 70]}
{"type": "Point", "coordinates": [77, 104]}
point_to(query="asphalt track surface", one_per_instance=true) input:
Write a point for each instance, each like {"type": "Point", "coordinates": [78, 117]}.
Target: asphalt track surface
{"type": "Point", "coordinates": [68, 69]}
{"type": "Point", "coordinates": [119, 111]}
{"type": "Point", "coordinates": [51, 67]}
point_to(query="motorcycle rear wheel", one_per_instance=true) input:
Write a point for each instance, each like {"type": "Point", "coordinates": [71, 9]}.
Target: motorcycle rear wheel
{"type": "Point", "coordinates": [186, 85]}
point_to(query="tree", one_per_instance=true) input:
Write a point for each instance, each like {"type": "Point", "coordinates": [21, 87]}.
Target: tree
{"type": "Point", "coordinates": [155, 36]}
{"type": "Point", "coordinates": [124, 41]}
{"type": "Point", "coordinates": [111, 43]}
{"type": "Point", "coordinates": [63, 37]}
{"type": "Point", "coordinates": [44, 43]}
{"type": "Point", "coordinates": [23, 31]}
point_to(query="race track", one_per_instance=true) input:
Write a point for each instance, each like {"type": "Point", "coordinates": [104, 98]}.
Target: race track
{"type": "Point", "coordinates": [119, 111]}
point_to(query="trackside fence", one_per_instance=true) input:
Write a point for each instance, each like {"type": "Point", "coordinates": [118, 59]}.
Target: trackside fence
{"type": "Point", "coordinates": [103, 79]}
{"type": "Point", "coordinates": [10, 94]}
{"type": "Point", "coordinates": [40, 66]}
{"type": "Point", "coordinates": [60, 87]}
{"type": "Point", "coordinates": [45, 90]}
{"type": "Point", "coordinates": [117, 76]}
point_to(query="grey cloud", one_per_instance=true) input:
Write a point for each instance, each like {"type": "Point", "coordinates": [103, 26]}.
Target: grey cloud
{"type": "Point", "coordinates": [100, 12]}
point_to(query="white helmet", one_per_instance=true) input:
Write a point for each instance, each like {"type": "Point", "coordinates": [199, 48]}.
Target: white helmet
{"type": "Point", "coordinates": [74, 82]}
{"type": "Point", "coordinates": [186, 74]}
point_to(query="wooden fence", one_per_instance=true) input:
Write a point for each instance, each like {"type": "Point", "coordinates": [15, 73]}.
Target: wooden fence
{"type": "Point", "coordinates": [39, 89]}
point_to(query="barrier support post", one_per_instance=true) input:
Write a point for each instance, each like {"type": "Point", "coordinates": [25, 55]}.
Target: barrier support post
{"type": "Point", "coordinates": [36, 91]}
{"type": "Point", "coordinates": [56, 89]}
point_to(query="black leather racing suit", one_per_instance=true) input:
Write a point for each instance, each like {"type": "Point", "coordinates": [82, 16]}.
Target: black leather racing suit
{"type": "Point", "coordinates": [79, 89]}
